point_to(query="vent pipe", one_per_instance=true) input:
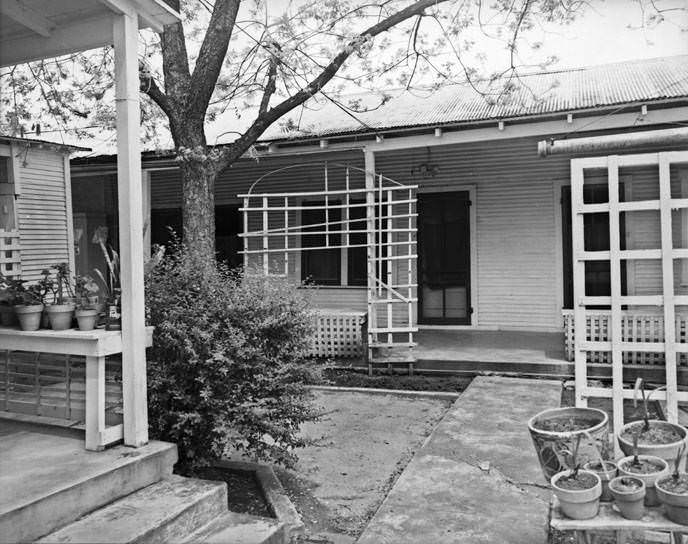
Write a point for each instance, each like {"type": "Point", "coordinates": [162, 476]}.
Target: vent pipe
{"type": "Point", "coordinates": [616, 142]}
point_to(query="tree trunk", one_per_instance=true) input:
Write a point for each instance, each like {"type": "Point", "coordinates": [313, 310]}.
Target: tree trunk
{"type": "Point", "coordinates": [198, 209]}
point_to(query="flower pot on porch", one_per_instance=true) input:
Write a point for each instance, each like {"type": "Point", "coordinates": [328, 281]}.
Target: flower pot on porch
{"type": "Point", "coordinates": [60, 316]}
{"type": "Point", "coordinates": [29, 316]}
{"type": "Point", "coordinates": [579, 497]}
{"type": "Point", "coordinates": [86, 318]}
{"type": "Point", "coordinates": [649, 470]}
{"type": "Point", "coordinates": [662, 440]}
{"type": "Point", "coordinates": [556, 430]}
{"type": "Point", "coordinates": [673, 494]}
{"type": "Point", "coordinates": [7, 316]}
{"type": "Point", "coordinates": [629, 495]}
{"type": "Point", "coordinates": [606, 472]}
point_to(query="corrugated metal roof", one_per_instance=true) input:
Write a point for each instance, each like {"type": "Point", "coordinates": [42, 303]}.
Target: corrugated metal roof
{"type": "Point", "coordinates": [36, 141]}
{"type": "Point", "coordinates": [536, 94]}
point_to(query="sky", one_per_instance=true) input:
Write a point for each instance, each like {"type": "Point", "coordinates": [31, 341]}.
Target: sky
{"type": "Point", "coordinates": [609, 33]}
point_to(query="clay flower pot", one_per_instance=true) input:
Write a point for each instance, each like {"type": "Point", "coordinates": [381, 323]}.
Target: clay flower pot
{"type": "Point", "coordinates": [556, 430]}
{"type": "Point", "coordinates": [29, 316]}
{"type": "Point", "coordinates": [86, 318]}
{"type": "Point", "coordinates": [606, 473]}
{"type": "Point", "coordinates": [652, 469]}
{"type": "Point", "coordinates": [673, 494]}
{"type": "Point", "coordinates": [629, 494]}
{"type": "Point", "coordinates": [578, 501]}
{"type": "Point", "coordinates": [663, 440]}
{"type": "Point", "coordinates": [60, 316]}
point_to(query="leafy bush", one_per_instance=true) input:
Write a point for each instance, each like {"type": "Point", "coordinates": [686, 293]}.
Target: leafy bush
{"type": "Point", "coordinates": [225, 368]}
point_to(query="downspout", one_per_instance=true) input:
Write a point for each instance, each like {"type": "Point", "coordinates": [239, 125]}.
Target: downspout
{"type": "Point", "coordinates": [616, 142]}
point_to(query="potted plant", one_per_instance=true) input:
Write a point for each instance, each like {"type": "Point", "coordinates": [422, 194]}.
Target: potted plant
{"type": "Point", "coordinates": [87, 303]}
{"type": "Point", "coordinates": [61, 312]}
{"type": "Point", "coordinates": [647, 468]}
{"type": "Point", "coordinates": [28, 305]}
{"type": "Point", "coordinates": [655, 437]}
{"type": "Point", "coordinates": [672, 492]}
{"type": "Point", "coordinates": [629, 495]}
{"type": "Point", "coordinates": [112, 282]}
{"type": "Point", "coordinates": [606, 470]}
{"type": "Point", "coordinates": [554, 431]}
{"type": "Point", "coordinates": [47, 289]}
{"type": "Point", "coordinates": [578, 490]}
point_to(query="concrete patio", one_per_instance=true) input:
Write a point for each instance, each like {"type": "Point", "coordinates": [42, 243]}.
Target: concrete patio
{"type": "Point", "coordinates": [477, 477]}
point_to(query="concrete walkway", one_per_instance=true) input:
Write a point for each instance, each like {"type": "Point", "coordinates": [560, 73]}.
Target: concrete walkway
{"type": "Point", "coordinates": [477, 477]}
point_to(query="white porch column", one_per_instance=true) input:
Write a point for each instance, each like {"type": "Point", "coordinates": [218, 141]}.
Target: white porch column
{"type": "Point", "coordinates": [125, 33]}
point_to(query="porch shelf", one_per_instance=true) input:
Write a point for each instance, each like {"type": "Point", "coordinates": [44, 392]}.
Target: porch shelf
{"type": "Point", "coordinates": [63, 378]}
{"type": "Point", "coordinates": [642, 337]}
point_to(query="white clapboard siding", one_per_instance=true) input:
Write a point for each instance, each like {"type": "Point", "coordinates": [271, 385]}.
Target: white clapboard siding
{"type": "Point", "coordinates": [517, 202]}
{"type": "Point", "coordinates": [42, 211]}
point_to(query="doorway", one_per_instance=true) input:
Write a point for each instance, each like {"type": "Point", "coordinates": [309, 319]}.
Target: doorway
{"type": "Point", "coordinates": [444, 258]}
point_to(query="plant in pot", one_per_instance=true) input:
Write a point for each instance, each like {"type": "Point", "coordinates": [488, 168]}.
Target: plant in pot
{"type": "Point", "coordinates": [647, 468]}
{"type": "Point", "coordinates": [47, 288]}
{"type": "Point", "coordinates": [655, 437]}
{"type": "Point", "coordinates": [111, 283]}
{"type": "Point", "coordinates": [578, 490]}
{"type": "Point", "coordinates": [28, 304]}
{"type": "Point", "coordinates": [629, 495]}
{"type": "Point", "coordinates": [672, 492]}
{"type": "Point", "coordinates": [61, 311]}
{"type": "Point", "coordinates": [87, 302]}
{"type": "Point", "coordinates": [554, 431]}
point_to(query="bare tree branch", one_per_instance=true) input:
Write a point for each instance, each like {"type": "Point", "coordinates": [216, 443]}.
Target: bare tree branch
{"type": "Point", "coordinates": [263, 121]}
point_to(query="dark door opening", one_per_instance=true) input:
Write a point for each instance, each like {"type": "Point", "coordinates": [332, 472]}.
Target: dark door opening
{"type": "Point", "coordinates": [444, 263]}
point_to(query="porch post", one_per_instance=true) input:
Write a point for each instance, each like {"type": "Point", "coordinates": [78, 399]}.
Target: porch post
{"type": "Point", "coordinates": [125, 31]}
{"type": "Point", "coordinates": [369, 158]}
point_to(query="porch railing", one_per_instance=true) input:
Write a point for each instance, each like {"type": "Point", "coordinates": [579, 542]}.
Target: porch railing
{"type": "Point", "coordinates": [635, 326]}
{"type": "Point", "coordinates": [69, 378]}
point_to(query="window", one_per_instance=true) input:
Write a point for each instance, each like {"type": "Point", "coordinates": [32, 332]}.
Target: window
{"type": "Point", "coordinates": [596, 232]}
{"type": "Point", "coordinates": [320, 266]}
{"type": "Point", "coordinates": [357, 257]}
{"type": "Point", "coordinates": [228, 226]}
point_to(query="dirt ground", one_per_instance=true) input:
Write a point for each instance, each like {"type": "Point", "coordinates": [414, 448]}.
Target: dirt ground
{"type": "Point", "coordinates": [360, 446]}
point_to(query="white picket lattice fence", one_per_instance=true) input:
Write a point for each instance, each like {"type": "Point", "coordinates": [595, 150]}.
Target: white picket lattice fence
{"type": "Point", "coordinates": [339, 334]}
{"type": "Point", "coordinates": [636, 327]}
{"type": "Point", "coordinates": [10, 260]}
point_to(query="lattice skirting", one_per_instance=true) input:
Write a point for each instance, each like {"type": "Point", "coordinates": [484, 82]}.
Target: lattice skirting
{"type": "Point", "coordinates": [339, 334]}
{"type": "Point", "coordinates": [10, 261]}
{"type": "Point", "coordinates": [636, 328]}
{"type": "Point", "coordinates": [50, 385]}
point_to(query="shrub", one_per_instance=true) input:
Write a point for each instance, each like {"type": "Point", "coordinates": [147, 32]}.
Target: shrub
{"type": "Point", "coordinates": [224, 370]}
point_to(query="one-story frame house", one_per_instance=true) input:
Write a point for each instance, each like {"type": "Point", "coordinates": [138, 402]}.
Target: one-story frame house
{"type": "Point", "coordinates": [491, 278]}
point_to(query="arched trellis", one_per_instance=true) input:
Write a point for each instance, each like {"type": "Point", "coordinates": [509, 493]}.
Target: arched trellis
{"type": "Point", "coordinates": [356, 209]}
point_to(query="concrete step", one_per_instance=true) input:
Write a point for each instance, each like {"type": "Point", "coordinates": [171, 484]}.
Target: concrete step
{"type": "Point", "coordinates": [47, 487]}
{"type": "Point", "coordinates": [234, 528]}
{"type": "Point", "coordinates": [167, 511]}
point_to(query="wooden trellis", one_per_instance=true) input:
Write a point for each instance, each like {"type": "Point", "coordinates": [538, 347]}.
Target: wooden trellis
{"type": "Point", "coordinates": [618, 344]}
{"type": "Point", "coordinates": [273, 230]}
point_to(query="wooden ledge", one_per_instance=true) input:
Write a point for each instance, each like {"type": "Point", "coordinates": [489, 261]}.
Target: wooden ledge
{"type": "Point", "coordinates": [95, 343]}
{"type": "Point", "coordinates": [609, 519]}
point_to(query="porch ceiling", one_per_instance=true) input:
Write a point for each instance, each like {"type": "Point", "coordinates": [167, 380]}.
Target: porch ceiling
{"type": "Point", "coordinates": [36, 29]}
